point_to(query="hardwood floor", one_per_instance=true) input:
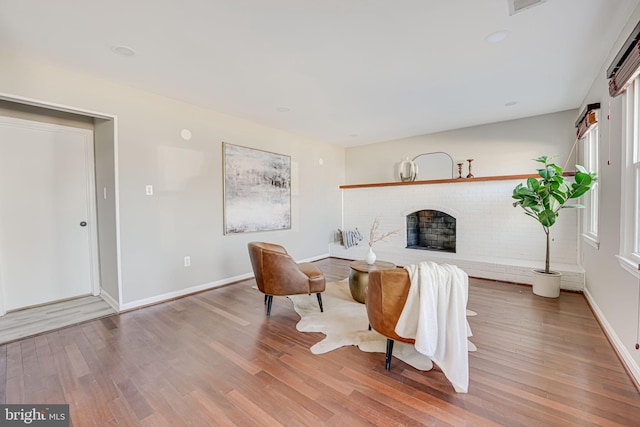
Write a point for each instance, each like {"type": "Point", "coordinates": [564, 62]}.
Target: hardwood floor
{"type": "Point", "coordinates": [215, 359]}
{"type": "Point", "coordinates": [44, 318]}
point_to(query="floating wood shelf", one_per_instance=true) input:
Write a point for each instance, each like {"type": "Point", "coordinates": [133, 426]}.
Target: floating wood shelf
{"type": "Point", "coordinates": [446, 181]}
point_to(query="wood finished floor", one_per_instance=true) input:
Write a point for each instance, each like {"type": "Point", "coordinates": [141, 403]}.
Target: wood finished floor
{"type": "Point", "coordinates": [36, 320]}
{"type": "Point", "coordinates": [215, 359]}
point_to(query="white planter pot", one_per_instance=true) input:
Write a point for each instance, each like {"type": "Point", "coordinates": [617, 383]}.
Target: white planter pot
{"type": "Point", "coordinates": [546, 284]}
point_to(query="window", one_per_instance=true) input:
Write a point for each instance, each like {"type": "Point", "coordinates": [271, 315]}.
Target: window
{"type": "Point", "coordinates": [591, 163]}
{"type": "Point", "coordinates": [630, 224]}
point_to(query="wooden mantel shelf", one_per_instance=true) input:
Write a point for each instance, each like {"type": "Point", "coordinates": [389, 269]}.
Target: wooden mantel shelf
{"type": "Point", "coordinates": [445, 181]}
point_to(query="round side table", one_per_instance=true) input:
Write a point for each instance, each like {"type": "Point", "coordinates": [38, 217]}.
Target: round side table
{"type": "Point", "coordinates": [359, 276]}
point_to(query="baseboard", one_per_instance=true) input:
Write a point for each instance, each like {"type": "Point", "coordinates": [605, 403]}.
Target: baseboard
{"type": "Point", "coordinates": [623, 354]}
{"type": "Point", "coordinates": [110, 300]}
{"type": "Point", "coordinates": [315, 258]}
{"type": "Point", "coordinates": [182, 292]}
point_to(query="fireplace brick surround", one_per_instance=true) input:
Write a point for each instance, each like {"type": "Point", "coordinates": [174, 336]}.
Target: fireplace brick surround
{"type": "Point", "coordinates": [493, 239]}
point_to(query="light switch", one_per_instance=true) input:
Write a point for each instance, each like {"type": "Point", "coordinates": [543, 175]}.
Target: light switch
{"type": "Point", "coordinates": [149, 190]}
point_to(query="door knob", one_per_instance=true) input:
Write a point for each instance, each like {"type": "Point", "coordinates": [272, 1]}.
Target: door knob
{"type": "Point", "coordinates": [83, 224]}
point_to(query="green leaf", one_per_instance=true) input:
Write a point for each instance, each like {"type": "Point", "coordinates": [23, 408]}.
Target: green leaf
{"type": "Point", "coordinates": [542, 159]}
{"type": "Point", "coordinates": [559, 196]}
{"type": "Point", "coordinates": [581, 169]}
{"type": "Point", "coordinates": [516, 194]}
{"type": "Point", "coordinates": [556, 168]}
{"type": "Point", "coordinates": [547, 173]}
{"type": "Point", "coordinates": [523, 192]}
{"type": "Point", "coordinates": [547, 218]}
{"type": "Point", "coordinates": [533, 184]}
{"type": "Point", "coordinates": [579, 191]}
{"type": "Point", "coordinates": [583, 178]}
{"type": "Point", "coordinates": [529, 203]}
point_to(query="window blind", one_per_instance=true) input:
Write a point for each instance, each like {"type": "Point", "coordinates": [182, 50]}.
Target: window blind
{"type": "Point", "coordinates": [626, 65]}
{"type": "Point", "coordinates": [587, 118]}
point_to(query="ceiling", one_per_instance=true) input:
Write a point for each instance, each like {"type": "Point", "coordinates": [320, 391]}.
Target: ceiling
{"type": "Point", "coordinates": [347, 72]}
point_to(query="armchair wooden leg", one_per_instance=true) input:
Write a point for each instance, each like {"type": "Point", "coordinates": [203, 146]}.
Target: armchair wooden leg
{"type": "Point", "coordinates": [369, 326]}
{"type": "Point", "coordinates": [387, 362]}
{"type": "Point", "coordinates": [269, 302]}
{"type": "Point", "coordinates": [265, 298]}
{"type": "Point", "coordinates": [320, 302]}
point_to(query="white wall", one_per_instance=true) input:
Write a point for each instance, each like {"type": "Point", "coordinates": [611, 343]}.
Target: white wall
{"type": "Point", "coordinates": [184, 217]}
{"type": "Point", "coordinates": [612, 290]}
{"type": "Point", "coordinates": [504, 148]}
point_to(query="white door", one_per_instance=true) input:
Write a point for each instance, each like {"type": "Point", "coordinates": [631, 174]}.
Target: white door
{"type": "Point", "coordinates": [45, 213]}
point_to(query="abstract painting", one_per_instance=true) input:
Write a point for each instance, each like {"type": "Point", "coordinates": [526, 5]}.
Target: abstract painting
{"type": "Point", "coordinates": [257, 190]}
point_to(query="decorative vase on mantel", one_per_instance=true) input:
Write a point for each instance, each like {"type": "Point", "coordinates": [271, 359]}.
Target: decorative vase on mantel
{"type": "Point", "coordinates": [370, 258]}
{"type": "Point", "coordinates": [408, 170]}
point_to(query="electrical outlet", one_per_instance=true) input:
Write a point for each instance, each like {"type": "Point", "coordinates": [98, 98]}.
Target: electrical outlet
{"type": "Point", "coordinates": [187, 261]}
{"type": "Point", "coordinates": [148, 190]}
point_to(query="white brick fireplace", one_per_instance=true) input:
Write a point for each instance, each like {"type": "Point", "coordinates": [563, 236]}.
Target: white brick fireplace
{"type": "Point", "coordinates": [494, 240]}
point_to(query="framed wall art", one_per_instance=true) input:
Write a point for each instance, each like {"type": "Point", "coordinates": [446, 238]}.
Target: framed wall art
{"type": "Point", "coordinates": [257, 190]}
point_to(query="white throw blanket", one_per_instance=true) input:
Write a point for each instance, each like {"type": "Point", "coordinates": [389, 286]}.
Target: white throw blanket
{"type": "Point", "coordinates": [435, 316]}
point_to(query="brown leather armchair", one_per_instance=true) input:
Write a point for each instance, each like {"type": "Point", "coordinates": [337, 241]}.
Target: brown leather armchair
{"type": "Point", "coordinates": [385, 297]}
{"type": "Point", "coordinates": [278, 274]}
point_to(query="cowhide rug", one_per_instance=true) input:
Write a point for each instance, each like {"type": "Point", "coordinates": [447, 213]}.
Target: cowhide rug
{"type": "Point", "coordinates": [345, 322]}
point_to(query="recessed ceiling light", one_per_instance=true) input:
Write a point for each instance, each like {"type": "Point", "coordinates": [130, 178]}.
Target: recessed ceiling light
{"type": "Point", "coordinates": [283, 109]}
{"type": "Point", "coordinates": [497, 37]}
{"type": "Point", "coordinates": [353, 135]}
{"type": "Point", "coordinates": [510, 103]}
{"type": "Point", "coordinates": [123, 50]}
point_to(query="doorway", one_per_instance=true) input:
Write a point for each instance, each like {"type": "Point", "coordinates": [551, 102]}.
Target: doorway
{"type": "Point", "coordinates": [48, 237]}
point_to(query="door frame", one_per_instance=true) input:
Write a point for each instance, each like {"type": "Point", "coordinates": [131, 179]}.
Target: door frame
{"type": "Point", "coordinates": [116, 302]}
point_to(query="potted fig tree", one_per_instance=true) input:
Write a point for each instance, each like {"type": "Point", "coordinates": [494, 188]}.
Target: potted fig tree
{"type": "Point", "coordinates": [542, 199]}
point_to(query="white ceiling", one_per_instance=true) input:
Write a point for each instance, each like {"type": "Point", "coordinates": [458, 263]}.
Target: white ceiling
{"type": "Point", "coordinates": [350, 71]}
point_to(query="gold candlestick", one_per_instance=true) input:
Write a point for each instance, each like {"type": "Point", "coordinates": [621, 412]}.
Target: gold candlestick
{"type": "Point", "coordinates": [470, 175]}
{"type": "Point", "coordinates": [459, 170]}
